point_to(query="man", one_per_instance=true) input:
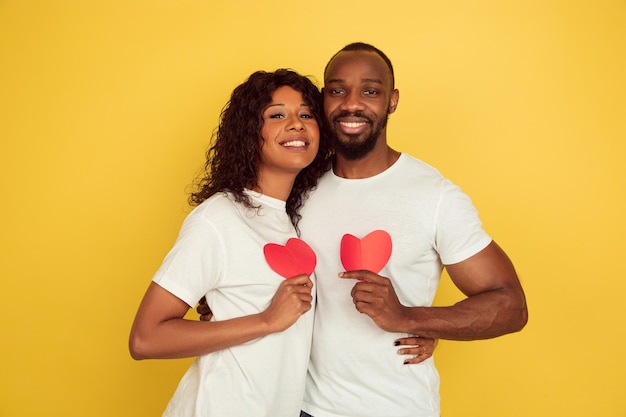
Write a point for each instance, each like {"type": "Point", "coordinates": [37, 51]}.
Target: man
{"type": "Point", "coordinates": [431, 225]}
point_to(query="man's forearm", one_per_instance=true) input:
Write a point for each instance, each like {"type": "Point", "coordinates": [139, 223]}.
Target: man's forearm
{"type": "Point", "coordinates": [482, 316]}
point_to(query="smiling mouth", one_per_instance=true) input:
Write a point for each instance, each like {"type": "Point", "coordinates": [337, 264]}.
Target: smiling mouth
{"type": "Point", "coordinates": [352, 125]}
{"type": "Point", "coordinates": [297, 143]}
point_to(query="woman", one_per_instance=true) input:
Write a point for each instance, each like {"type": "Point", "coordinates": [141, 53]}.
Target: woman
{"type": "Point", "coordinates": [253, 355]}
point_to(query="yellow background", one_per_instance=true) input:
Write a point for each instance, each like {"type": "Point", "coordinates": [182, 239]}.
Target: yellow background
{"type": "Point", "coordinates": [106, 108]}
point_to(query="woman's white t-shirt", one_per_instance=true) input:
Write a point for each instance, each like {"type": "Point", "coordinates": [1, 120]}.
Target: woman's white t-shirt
{"type": "Point", "coordinates": [219, 254]}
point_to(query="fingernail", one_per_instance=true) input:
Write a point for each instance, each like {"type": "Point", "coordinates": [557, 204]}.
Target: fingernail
{"type": "Point", "coordinates": [396, 343]}
{"type": "Point", "coordinates": [406, 362]}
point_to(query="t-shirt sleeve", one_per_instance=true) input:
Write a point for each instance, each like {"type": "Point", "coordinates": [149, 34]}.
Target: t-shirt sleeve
{"type": "Point", "coordinates": [459, 233]}
{"type": "Point", "coordinates": [194, 264]}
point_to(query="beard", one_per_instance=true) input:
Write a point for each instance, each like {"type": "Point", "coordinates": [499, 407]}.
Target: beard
{"type": "Point", "coordinates": [353, 147]}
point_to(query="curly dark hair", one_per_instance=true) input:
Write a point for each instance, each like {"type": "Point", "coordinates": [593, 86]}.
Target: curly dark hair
{"type": "Point", "coordinates": [232, 159]}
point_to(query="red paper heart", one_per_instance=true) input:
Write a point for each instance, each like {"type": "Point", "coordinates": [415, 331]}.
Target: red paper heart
{"type": "Point", "coordinates": [370, 253]}
{"type": "Point", "coordinates": [293, 259]}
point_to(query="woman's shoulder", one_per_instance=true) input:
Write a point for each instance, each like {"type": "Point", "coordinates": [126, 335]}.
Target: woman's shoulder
{"type": "Point", "coordinates": [215, 208]}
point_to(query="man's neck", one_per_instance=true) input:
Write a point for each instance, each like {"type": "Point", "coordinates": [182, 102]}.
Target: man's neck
{"type": "Point", "coordinates": [375, 162]}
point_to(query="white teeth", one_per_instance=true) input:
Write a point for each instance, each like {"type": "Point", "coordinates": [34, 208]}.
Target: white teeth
{"type": "Point", "coordinates": [352, 124]}
{"type": "Point", "coordinates": [294, 143]}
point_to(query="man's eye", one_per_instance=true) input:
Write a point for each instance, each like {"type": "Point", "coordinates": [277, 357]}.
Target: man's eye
{"type": "Point", "coordinates": [336, 91]}
{"type": "Point", "coordinates": [370, 92]}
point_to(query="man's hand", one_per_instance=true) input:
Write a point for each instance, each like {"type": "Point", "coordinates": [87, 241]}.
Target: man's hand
{"type": "Point", "coordinates": [204, 310]}
{"type": "Point", "coordinates": [375, 296]}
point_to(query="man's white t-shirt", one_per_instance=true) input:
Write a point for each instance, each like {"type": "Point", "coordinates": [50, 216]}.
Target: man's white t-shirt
{"type": "Point", "coordinates": [355, 369]}
{"type": "Point", "coordinates": [219, 253]}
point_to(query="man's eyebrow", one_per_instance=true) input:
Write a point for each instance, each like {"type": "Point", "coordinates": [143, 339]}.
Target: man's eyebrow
{"type": "Point", "coordinates": [363, 80]}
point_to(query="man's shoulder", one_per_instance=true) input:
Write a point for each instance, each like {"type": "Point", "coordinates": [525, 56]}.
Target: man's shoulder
{"type": "Point", "coordinates": [413, 173]}
{"type": "Point", "coordinates": [411, 163]}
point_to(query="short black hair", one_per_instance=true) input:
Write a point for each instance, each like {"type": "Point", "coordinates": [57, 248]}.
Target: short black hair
{"type": "Point", "coordinates": [361, 46]}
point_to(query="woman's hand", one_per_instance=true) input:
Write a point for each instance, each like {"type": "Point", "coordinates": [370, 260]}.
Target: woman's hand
{"type": "Point", "coordinates": [292, 299]}
{"type": "Point", "coordinates": [419, 348]}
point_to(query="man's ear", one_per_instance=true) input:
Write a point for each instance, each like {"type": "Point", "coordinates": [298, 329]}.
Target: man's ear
{"type": "Point", "coordinates": [393, 100]}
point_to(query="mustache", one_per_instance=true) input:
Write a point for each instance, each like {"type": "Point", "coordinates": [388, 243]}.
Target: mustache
{"type": "Point", "coordinates": [346, 113]}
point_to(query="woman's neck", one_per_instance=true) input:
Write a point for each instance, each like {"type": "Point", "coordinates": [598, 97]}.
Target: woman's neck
{"type": "Point", "coordinates": [276, 186]}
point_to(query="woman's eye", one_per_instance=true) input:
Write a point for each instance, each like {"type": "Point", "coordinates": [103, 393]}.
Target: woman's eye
{"type": "Point", "coordinates": [306, 116]}
{"type": "Point", "coordinates": [276, 116]}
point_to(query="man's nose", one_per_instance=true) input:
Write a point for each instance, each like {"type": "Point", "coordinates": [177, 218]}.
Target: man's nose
{"type": "Point", "coordinates": [352, 101]}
